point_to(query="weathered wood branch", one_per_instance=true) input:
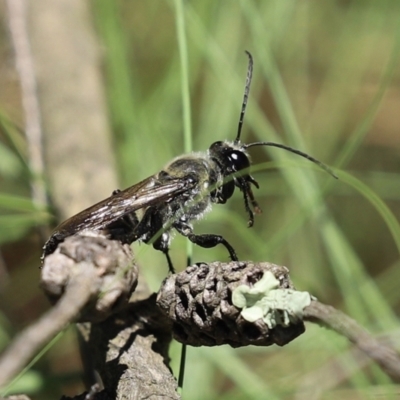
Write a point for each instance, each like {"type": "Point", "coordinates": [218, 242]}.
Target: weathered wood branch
{"type": "Point", "coordinates": [91, 279]}
{"type": "Point", "coordinates": [87, 278]}
{"type": "Point", "coordinates": [382, 353]}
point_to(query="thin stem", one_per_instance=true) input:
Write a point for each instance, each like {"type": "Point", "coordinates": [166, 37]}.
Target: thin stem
{"type": "Point", "coordinates": [30, 102]}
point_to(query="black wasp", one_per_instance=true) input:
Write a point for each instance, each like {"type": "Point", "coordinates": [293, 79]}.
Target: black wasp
{"type": "Point", "coordinates": [182, 192]}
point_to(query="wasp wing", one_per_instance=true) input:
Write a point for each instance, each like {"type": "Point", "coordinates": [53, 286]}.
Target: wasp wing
{"type": "Point", "coordinates": [150, 192]}
{"type": "Point", "coordinates": [147, 193]}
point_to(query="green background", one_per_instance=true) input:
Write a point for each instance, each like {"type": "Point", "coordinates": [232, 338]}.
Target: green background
{"type": "Point", "coordinates": [326, 81]}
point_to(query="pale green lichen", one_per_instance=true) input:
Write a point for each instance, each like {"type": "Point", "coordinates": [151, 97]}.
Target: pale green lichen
{"type": "Point", "coordinates": [266, 300]}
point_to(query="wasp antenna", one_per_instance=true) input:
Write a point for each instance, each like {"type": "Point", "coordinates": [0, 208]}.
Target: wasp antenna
{"type": "Point", "coordinates": [246, 95]}
{"type": "Point", "coordinates": [295, 151]}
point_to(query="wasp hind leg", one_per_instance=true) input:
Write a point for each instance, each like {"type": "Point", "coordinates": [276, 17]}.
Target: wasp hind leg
{"type": "Point", "coordinates": [205, 240]}
{"type": "Point", "coordinates": [169, 261]}
{"type": "Point", "coordinates": [149, 229]}
{"type": "Point", "coordinates": [162, 245]}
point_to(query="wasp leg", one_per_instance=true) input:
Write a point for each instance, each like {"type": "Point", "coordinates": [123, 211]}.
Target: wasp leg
{"type": "Point", "coordinates": [205, 240]}
{"type": "Point", "coordinates": [162, 244]}
{"type": "Point", "coordinates": [169, 261]}
{"type": "Point", "coordinates": [150, 230]}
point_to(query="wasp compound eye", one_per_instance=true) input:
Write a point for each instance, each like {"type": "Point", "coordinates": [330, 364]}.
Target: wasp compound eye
{"type": "Point", "coordinates": [238, 160]}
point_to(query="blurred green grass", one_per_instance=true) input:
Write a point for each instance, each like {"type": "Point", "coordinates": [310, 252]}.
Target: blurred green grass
{"type": "Point", "coordinates": [326, 81]}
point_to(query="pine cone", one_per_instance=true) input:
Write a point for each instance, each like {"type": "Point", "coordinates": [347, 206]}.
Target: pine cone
{"type": "Point", "coordinates": [199, 303]}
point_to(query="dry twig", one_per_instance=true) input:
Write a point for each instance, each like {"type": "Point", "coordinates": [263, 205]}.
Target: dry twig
{"type": "Point", "coordinates": [129, 350]}
{"type": "Point", "coordinates": [91, 277]}
{"type": "Point", "coordinates": [383, 354]}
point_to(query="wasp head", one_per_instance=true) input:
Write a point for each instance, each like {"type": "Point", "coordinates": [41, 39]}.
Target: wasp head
{"type": "Point", "coordinates": [234, 165]}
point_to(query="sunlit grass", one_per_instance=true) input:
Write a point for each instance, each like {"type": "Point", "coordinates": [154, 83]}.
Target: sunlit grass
{"type": "Point", "coordinates": [323, 74]}
{"type": "Point", "coordinates": [297, 227]}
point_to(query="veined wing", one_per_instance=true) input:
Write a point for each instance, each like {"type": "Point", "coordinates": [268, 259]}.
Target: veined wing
{"type": "Point", "coordinates": [149, 192]}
